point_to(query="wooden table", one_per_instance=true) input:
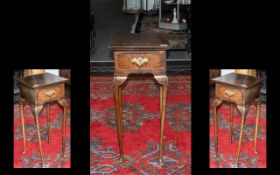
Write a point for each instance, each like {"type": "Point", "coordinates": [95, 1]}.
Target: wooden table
{"type": "Point", "coordinates": [139, 54]}
{"type": "Point", "coordinates": [240, 90]}
{"type": "Point", "coordinates": [38, 90]}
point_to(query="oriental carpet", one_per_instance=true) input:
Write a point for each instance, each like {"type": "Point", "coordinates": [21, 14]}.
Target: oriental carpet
{"type": "Point", "coordinates": [141, 127]}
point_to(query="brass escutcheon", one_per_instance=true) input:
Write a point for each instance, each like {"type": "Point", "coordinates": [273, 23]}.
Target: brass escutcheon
{"type": "Point", "coordinates": [50, 93]}
{"type": "Point", "coordinates": [229, 93]}
{"type": "Point", "coordinates": [139, 61]}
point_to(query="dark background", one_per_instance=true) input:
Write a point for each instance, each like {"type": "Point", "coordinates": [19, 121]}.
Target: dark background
{"type": "Point", "coordinates": [55, 34]}
{"type": "Point", "coordinates": [47, 34]}
{"type": "Point", "coordinates": [229, 35]}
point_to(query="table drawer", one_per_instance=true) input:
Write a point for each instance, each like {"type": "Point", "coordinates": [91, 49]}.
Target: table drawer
{"type": "Point", "coordinates": [140, 62]}
{"type": "Point", "coordinates": [229, 93]}
{"type": "Point", "coordinates": [50, 93]}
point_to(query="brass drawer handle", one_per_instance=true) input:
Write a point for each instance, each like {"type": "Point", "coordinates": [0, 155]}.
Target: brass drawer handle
{"type": "Point", "coordinates": [229, 93]}
{"type": "Point", "coordinates": [140, 61]}
{"type": "Point", "coordinates": [50, 93]}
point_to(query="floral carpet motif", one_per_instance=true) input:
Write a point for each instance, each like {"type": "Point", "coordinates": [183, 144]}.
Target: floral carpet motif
{"type": "Point", "coordinates": [228, 152]}
{"type": "Point", "coordinates": [141, 127]}
{"type": "Point", "coordinates": [52, 151]}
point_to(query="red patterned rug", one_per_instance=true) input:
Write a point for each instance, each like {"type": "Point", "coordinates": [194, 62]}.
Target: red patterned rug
{"type": "Point", "coordinates": [52, 151]}
{"type": "Point", "coordinates": [141, 127]}
{"type": "Point", "coordinates": [227, 152]}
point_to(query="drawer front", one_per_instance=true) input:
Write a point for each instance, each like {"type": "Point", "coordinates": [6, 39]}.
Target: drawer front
{"type": "Point", "coordinates": [49, 94]}
{"type": "Point", "coordinates": [229, 93]}
{"type": "Point", "coordinates": [140, 62]}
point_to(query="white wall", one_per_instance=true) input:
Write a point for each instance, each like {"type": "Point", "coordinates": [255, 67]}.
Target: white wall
{"type": "Point", "coordinates": [150, 4]}
{"type": "Point", "coordinates": [53, 71]}
{"type": "Point", "coordinates": [226, 71]}
{"type": "Point", "coordinates": [135, 3]}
